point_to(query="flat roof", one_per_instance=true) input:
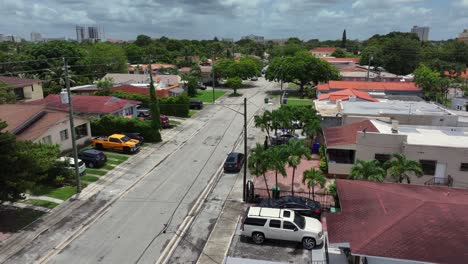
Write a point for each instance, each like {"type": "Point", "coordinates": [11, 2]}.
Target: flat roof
{"type": "Point", "coordinates": [393, 107]}
{"type": "Point", "coordinates": [454, 137]}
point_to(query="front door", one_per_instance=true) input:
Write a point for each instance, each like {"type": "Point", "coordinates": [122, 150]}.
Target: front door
{"type": "Point", "coordinates": [440, 173]}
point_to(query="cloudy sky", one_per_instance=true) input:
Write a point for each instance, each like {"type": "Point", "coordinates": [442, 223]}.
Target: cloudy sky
{"type": "Point", "coordinates": [204, 19]}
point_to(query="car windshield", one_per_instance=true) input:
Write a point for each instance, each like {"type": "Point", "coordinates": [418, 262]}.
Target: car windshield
{"type": "Point", "coordinates": [299, 220]}
{"type": "Point", "coordinates": [230, 159]}
{"type": "Point", "coordinates": [125, 139]}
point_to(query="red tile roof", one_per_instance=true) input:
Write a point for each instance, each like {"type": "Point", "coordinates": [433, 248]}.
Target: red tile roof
{"type": "Point", "coordinates": [86, 104]}
{"type": "Point", "coordinates": [461, 75]}
{"type": "Point", "coordinates": [354, 60]}
{"type": "Point", "coordinates": [15, 115]}
{"type": "Point", "coordinates": [18, 82]}
{"type": "Point", "coordinates": [346, 135]}
{"type": "Point", "coordinates": [323, 49]}
{"type": "Point", "coordinates": [402, 221]}
{"type": "Point", "coordinates": [352, 69]}
{"type": "Point", "coordinates": [369, 86]}
{"type": "Point", "coordinates": [155, 66]}
{"type": "Point", "coordinates": [345, 94]}
{"type": "Point", "coordinates": [143, 90]}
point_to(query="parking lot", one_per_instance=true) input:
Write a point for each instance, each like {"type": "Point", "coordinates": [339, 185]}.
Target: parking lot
{"type": "Point", "coordinates": [274, 250]}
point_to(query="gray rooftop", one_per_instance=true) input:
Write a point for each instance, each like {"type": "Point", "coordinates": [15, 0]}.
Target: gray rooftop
{"type": "Point", "coordinates": [393, 107]}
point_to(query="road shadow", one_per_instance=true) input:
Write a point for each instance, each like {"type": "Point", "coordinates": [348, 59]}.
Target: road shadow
{"type": "Point", "coordinates": [13, 219]}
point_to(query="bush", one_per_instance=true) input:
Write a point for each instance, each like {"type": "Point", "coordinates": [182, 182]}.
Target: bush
{"type": "Point", "coordinates": [324, 166]}
{"type": "Point", "coordinates": [110, 124]}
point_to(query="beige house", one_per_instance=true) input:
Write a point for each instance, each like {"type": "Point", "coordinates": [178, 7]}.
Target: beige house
{"type": "Point", "coordinates": [25, 89]}
{"type": "Point", "coordinates": [322, 52]}
{"type": "Point", "coordinates": [442, 151]}
{"type": "Point", "coordinates": [38, 124]}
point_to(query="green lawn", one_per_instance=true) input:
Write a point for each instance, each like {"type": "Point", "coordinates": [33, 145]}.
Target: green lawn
{"type": "Point", "coordinates": [89, 178]}
{"type": "Point", "coordinates": [41, 203]}
{"type": "Point", "coordinates": [175, 123]}
{"type": "Point", "coordinates": [62, 193]}
{"type": "Point", "coordinates": [293, 85]}
{"type": "Point", "coordinates": [108, 166]}
{"type": "Point", "coordinates": [299, 102]}
{"type": "Point", "coordinates": [207, 96]}
{"type": "Point", "coordinates": [117, 157]}
{"type": "Point", "coordinates": [95, 172]}
{"type": "Point", "coordinates": [114, 162]}
{"type": "Point", "coordinates": [193, 112]}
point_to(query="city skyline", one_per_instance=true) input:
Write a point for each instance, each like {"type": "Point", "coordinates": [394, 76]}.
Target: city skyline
{"type": "Point", "coordinates": [206, 19]}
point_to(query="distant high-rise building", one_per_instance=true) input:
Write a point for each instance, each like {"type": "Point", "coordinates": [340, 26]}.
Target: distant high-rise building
{"type": "Point", "coordinates": [254, 38]}
{"type": "Point", "coordinates": [422, 32]}
{"type": "Point", "coordinates": [36, 37]}
{"type": "Point", "coordinates": [92, 33]}
{"type": "Point", "coordinates": [227, 39]}
{"type": "Point", "coordinates": [463, 37]}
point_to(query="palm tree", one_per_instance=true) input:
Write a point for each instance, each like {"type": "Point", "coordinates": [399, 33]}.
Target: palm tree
{"type": "Point", "coordinates": [277, 157]}
{"type": "Point", "coordinates": [258, 163]}
{"type": "Point", "coordinates": [311, 128]}
{"type": "Point", "coordinates": [399, 166]}
{"type": "Point", "coordinates": [264, 122]}
{"type": "Point", "coordinates": [297, 151]}
{"type": "Point", "coordinates": [368, 170]}
{"type": "Point", "coordinates": [313, 177]}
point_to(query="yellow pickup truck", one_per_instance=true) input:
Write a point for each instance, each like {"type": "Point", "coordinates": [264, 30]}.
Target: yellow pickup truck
{"type": "Point", "coordinates": [117, 142]}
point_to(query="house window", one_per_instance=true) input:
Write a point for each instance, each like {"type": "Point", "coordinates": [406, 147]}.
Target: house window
{"type": "Point", "coordinates": [464, 167]}
{"type": "Point", "coordinates": [382, 158]}
{"type": "Point", "coordinates": [81, 131]}
{"type": "Point", "coordinates": [47, 139]}
{"type": "Point", "coordinates": [428, 166]}
{"type": "Point", "coordinates": [64, 134]}
{"type": "Point", "coordinates": [19, 93]}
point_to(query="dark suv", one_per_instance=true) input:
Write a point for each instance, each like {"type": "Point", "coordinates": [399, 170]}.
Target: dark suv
{"type": "Point", "coordinates": [93, 158]}
{"type": "Point", "coordinates": [195, 104]}
{"type": "Point", "coordinates": [234, 162]}
{"type": "Point", "coordinates": [134, 135]}
{"type": "Point", "coordinates": [300, 205]}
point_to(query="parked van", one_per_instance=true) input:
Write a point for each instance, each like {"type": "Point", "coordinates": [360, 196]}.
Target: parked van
{"type": "Point", "coordinates": [262, 223]}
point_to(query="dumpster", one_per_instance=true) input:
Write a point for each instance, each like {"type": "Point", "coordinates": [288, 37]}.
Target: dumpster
{"type": "Point", "coordinates": [266, 100]}
{"type": "Point", "coordinates": [285, 100]}
{"type": "Point", "coordinates": [315, 148]}
{"type": "Point", "coordinates": [275, 191]}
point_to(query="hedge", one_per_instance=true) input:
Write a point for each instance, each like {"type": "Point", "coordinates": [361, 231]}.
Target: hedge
{"type": "Point", "coordinates": [109, 124]}
{"type": "Point", "coordinates": [171, 106]}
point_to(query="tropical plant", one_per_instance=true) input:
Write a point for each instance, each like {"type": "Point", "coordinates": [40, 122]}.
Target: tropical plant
{"type": "Point", "coordinates": [297, 151]}
{"type": "Point", "coordinates": [263, 122]}
{"type": "Point", "coordinates": [234, 83]}
{"type": "Point", "coordinates": [368, 170]}
{"type": "Point", "coordinates": [258, 163]}
{"type": "Point", "coordinates": [399, 166]}
{"type": "Point", "coordinates": [277, 160]}
{"type": "Point", "coordinates": [313, 177]}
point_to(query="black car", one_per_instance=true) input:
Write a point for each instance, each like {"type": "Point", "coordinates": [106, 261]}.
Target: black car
{"type": "Point", "coordinates": [136, 136]}
{"type": "Point", "coordinates": [93, 158]}
{"type": "Point", "coordinates": [234, 162]}
{"type": "Point", "coordinates": [195, 104]}
{"type": "Point", "coordinates": [300, 205]}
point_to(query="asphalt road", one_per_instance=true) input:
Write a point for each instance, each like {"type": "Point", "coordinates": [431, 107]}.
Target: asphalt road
{"type": "Point", "coordinates": [131, 231]}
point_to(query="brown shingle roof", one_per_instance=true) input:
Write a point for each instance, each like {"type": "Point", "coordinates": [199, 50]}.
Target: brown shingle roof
{"type": "Point", "coordinates": [15, 115]}
{"type": "Point", "coordinates": [39, 127]}
{"type": "Point", "coordinates": [18, 82]}
{"type": "Point", "coordinates": [401, 221]}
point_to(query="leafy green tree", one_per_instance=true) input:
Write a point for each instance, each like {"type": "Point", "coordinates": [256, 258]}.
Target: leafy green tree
{"type": "Point", "coordinates": [367, 170]}
{"type": "Point", "coordinates": [192, 84]}
{"type": "Point", "coordinates": [399, 166]}
{"type": "Point", "coordinates": [339, 53]}
{"type": "Point", "coordinates": [313, 177]}
{"type": "Point", "coordinates": [7, 96]}
{"type": "Point", "coordinates": [294, 41]}
{"type": "Point", "coordinates": [434, 86]}
{"type": "Point", "coordinates": [234, 83]}
{"type": "Point", "coordinates": [264, 122]}
{"type": "Point", "coordinates": [244, 69]}
{"type": "Point", "coordinates": [258, 163]}
{"type": "Point", "coordinates": [154, 108]}
{"type": "Point", "coordinates": [105, 85]}
{"type": "Point", "coordinates": [105, 57]}
{"type": "Point", "coordinates": [297, 151]}
{"type": "Point", "coordinates": [143, 40]}
{"type": "Point", "coordinates": [301, 69]}
{"type": "Point", "coordinates": [277, 160]}
{"type": "Point", "coordinates": [134, 53]}
{"type": "Point", "coordinates": [343, 40]}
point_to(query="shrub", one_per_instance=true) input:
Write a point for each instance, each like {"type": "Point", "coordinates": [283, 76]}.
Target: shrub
{"type": "Point", "coordinates": [324, 166]}
{"type": "Point", "coordinates": [110, 124]}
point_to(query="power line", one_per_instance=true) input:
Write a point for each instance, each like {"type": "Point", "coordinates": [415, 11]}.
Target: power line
{"type": "Point", "coordinates": [15, 62]}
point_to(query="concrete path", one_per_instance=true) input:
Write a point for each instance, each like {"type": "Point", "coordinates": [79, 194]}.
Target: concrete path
{"type": "Point", "coordinates": [45, 198]}
{"type": "Point", "coordinates": [29, 206]}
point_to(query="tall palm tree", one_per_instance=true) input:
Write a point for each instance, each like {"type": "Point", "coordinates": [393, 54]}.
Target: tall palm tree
{"type": "Point", "coordinates": [399, 166]}
{"type": "Point", "coordinates": [277, 157]}
{"type": "Point", "coordinates": [258, 163]}
{"type": "Point", "coordinates": [264, 122]}
{"type": "Point", "coordinates": [313, 177]}
{"type": "Point", "coordinates": [368, 170]}
{"type": "Point", "coordinates": [297, 151]}
{"type": "Point", "coordinates": [311, 128]}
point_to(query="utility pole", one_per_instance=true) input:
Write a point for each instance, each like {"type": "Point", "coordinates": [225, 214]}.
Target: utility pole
{"type": "Point", "coordinates": [368, 67]}
{"type": "Point", "coordinates": [72, 127]}
{"type": "Point", "coordinates": [212, 70]}
{"type": "Point", "coordinates": [245, 149]}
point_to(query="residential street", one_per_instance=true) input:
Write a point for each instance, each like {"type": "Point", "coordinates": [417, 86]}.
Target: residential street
{"type": "Point", "coordinates": [131, 230]}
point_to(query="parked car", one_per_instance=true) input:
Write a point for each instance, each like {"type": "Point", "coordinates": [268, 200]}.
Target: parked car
{"type": "Point", "coordinates": [195, 104]}
{"type": "Point", "coordinates": [260, 223]}
{"type": "Point", "coordinates": [135, 135]}
{"type": "Point", "coordinates": [93, 158]}
{"type": "Point", "coordinates": [234, 162]}
{"type": "Point", "coordinates": [116, 142]}
{"type": "Point", "coordinates": [300, 205]}
{"type": "Point", "coordinates": [284, 139]}
{"type": "Point", "coordinates": [255, 78]}
{"type": "Point", "coordinates": [71, 164]}
{"type": "Point", "coordinates": [201, 86]}
{"type": "Point", "coordinates": [145, 115]}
